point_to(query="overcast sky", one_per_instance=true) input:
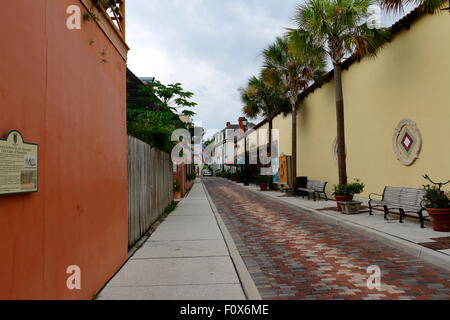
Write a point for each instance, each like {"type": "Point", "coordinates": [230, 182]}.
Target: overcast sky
{"type": "Point", "coordinates": [211, 46]}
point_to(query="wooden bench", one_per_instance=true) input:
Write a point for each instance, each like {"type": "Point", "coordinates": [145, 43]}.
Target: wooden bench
{"type": "Point", "coordinates": [316, 188]}
{"type": "Point", "coordinates": [401, 199]}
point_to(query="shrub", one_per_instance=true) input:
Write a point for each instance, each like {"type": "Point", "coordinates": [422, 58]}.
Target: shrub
{"type": "Point", "coordinates": [191, 176]}
{"type": "Point", "coordinates": [239, 175]}
{"type": "Point", "coordinates": [263, 179]}
{"type": "Point", "coordinates": [436, 199]}
{"type": "Point", "coordinates": [349, 189]}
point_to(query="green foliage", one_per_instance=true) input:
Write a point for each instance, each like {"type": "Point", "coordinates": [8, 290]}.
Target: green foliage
{"type": "Point", "coordinates": [155, 123]}
{"type": "Point", "coordinates": [436, 199]}
{"type": "Point", "coordinates": [337, 26]}
{"type": "Point", "coordinates": [431, 6]}
{"type": "Point", "coordinates": [91, 14]}
{"type": "Point", "coordinates": [170, 208]}
{"type": "Point", "coordinates": [227, 175]}
{"type": "Point", "coordinates": [153, 127]}
{"type": "Point", "coordinates": [208, 142]}
{"type": "Point", "coordinates": [349, 189]}
{"type": "Point", "coordinates": [171, 96]}
{"type": "Point", "coordinates": [291, 64]}
{"type": "Point", "coordinates": [219, 173]}
{"type": "Point", "coordinates": [263, 99]}
{"type": "Point", "coordinates": [191, 176]}
{"type": "Point", "coordinates": [239, 175]}
{"type": "Point", "coordinates": [264, 179]}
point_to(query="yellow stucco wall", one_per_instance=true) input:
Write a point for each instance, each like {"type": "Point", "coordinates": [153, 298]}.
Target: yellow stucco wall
{"type": "Point", "coordinates": [284, 126]}
{"type": "Point", "coordinates": [409, 79]}
{"type": "Point", "coordinates": [263, 134]}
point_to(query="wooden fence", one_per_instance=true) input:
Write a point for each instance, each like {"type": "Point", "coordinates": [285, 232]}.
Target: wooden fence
{"type": "Point", "coordinates": [150, 187]}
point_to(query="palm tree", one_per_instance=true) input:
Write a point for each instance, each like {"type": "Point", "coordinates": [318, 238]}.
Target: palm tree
{"type": "Point", "coordinates": [290, 65]}
{"type": "Point", "coordinates": [337, 26]}
{"type": "Point", "coordinates": [426, 5]}
{"type": "Point", "coordinates": [262, 100]}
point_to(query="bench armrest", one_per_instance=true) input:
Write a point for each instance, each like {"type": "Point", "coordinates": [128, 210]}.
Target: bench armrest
{"type": "Point", "coordinates": [421, 204]}
{"type": "Point", "coordinates": [374, 194]}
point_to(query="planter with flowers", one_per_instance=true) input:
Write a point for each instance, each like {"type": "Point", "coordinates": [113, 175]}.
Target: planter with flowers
{"type": "Point", "coordinates": [263, 182]}
{"type": "Point", "coordinates": [239, 176]}
{"type": "Point", "coordinates": [345, 193]}
{"type": "Point", "coordinates": [437, 204]}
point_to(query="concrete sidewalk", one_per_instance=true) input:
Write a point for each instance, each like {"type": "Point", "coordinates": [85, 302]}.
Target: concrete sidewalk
{"type": "Point", "coordinates": [186, 258]}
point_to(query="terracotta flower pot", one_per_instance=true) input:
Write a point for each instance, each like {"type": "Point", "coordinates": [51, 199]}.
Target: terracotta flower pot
{"type": "Point", "coordinates": [263, 186]}
{"type": "Point", "coordinates": [177, 195]}
{"type": "Point", "coordinates": [342, 198]}
{"type": "Point", "coordinates": [440, 219]}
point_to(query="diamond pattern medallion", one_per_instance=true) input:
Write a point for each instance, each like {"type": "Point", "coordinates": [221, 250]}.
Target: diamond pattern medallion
{"type": "Point", "coordinates": [407, 142]}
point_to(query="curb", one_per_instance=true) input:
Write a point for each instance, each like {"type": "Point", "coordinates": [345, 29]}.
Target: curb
{"type": "Point", "coordinates": [425, 254]}
{"type": "Point", "coordinates": [249, 287]}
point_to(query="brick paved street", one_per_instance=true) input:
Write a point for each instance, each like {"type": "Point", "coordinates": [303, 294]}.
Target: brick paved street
{"type": "Point", "coordinates": [292, 254]}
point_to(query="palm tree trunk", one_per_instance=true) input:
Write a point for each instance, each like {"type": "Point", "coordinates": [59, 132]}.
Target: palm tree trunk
{"type": "Point", "coordinates": [294, 149]}
{"type": "Point", "coordinates": [340, 125]}
{"type": "Point", "coordinates": [269, 150]}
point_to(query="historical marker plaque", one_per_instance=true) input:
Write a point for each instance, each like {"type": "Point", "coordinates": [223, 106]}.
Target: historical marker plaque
{"type": "Point", "coordinates": [18, 165]}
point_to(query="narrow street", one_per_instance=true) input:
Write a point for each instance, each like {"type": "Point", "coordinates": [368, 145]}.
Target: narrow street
{"type": "Point", "coordinates": [292, 254]}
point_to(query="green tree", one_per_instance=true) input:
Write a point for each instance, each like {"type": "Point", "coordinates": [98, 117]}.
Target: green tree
{"type": "Point", "coordinates": [171, 96]}
{"type": "Point", "coordinates": [207, 142]}
{"type": "Point", "coordinates": [263, 100]}
{"type": "Point", "coordinates": [425, 5]}
{"type": "Point", "coordinates": [339, 28]}
{"type": "Point", "coordinates": [156, 114]}
{"type": "Point", "coordinates": [290, 66]}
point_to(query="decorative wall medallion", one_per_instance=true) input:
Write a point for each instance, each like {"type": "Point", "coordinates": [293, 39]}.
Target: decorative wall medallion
{"type": "Point", "coordinates": [407, 142]}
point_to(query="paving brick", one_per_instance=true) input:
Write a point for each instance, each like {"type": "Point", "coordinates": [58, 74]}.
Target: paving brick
{"type": "Point", "coordinates": [294, 254]}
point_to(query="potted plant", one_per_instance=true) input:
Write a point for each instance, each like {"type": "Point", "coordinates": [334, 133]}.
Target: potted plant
{"type": "Point", "coordinates": [263, 182]}
{"type": "Point", "coordinates": [238, 175]}
{"type": "Point", "coordinates": [346, 192]}
{"type": "Point", "coordinates": [176, 190]}
{"type": "Point", "coordinates": [437, 204]}
{"type": "Point", "coordinates": [219, 173]}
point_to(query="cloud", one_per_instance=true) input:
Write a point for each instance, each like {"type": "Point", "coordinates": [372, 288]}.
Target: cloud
{"type": "Point", "coordinates": [211, 46]}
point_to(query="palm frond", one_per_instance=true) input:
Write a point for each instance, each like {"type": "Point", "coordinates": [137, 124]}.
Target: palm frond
{"type": "Point", "coordinates": [426, 6]}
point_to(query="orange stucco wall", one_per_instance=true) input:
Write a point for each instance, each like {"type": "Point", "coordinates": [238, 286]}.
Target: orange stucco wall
{"type": "Point", "coordinates": [56, 91]}
{"type": "Point", "coordinates": [181, 177]}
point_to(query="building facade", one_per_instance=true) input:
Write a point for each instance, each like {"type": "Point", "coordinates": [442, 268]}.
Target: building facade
{"type": "Point", "coordinates": [397, 107]}
{"type": "Point", "coordinates": [64, 89]}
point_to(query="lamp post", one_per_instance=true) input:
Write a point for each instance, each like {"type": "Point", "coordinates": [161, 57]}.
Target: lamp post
{"type": "Point", "coordinates": [246, 163]}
